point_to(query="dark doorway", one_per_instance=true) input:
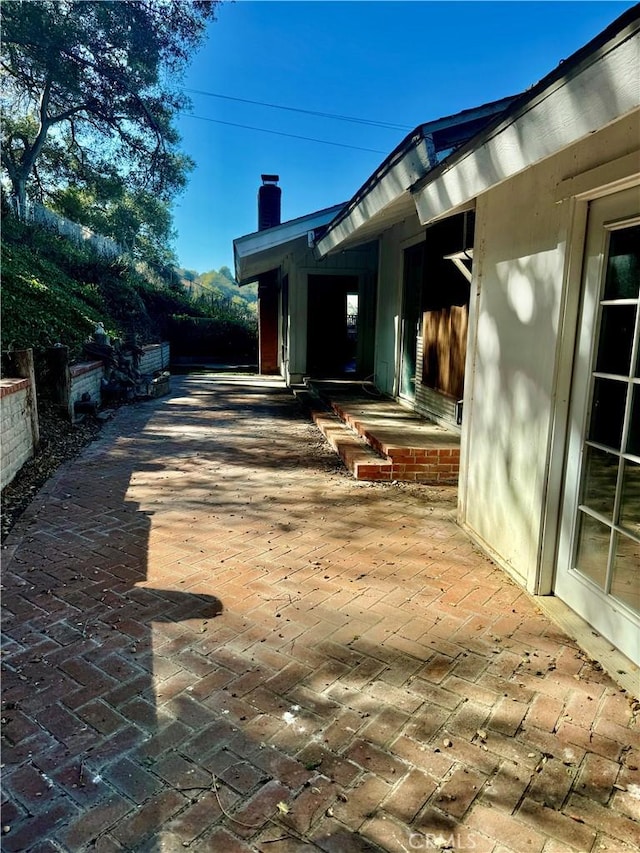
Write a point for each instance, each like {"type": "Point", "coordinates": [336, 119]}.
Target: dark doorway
{"type": "Point", "coordinates": [332, 325]}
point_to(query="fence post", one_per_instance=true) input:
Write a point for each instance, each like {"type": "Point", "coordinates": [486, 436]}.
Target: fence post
{"type": "Point", "coordinates": [58, 361]}
{"type": "Point", "coordinates": [23, 360]}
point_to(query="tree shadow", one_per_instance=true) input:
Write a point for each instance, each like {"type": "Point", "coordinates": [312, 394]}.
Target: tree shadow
{"type": "Point", "coordinates": [124, 719]}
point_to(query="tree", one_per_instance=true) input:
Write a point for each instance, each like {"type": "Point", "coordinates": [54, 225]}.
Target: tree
{"type": "Point", "coordinates": [88, 93]}
{"type": "Point", "coordinates": [138, 220]}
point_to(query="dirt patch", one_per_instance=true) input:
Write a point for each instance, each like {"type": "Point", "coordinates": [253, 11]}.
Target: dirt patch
{"type": "Point", "coordinates": [59, 441]}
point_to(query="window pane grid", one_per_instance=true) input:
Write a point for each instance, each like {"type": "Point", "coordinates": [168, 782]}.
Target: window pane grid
{"type": "Point", "coordinates": [632, 457]}
{"type": "Point", "coordinates": [612, 437]}
{"type": "Point", "coordinates": [592, 513]}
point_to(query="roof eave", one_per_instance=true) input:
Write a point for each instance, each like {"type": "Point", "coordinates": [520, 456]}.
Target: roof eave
{"type": "Point", "coordinates": [410, 161]}
{"type": "Point", "coordinates": [262, 251]}
{"type": "Point", "coordinates": [606, 66]}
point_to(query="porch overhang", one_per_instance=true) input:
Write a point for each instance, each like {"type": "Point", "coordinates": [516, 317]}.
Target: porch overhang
{"type": "Point", "coordinates": [544, 120]}
{"type": "Point", "coordinates": [385, 199]}
{"type": "Point", "coordinates": [263, 251]}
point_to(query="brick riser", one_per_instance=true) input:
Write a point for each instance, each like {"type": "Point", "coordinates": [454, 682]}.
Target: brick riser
{"type": "Point", "coordinates": [406, 464]}
{"type": "Point", "coordinates": [426, 466]}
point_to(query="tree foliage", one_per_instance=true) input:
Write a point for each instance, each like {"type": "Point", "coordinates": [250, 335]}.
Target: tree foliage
{"type": "Point", "coordinates": [218, 294]}
{"type": "Point", "coordinates": [89, 102]}
{"type": "Point", "coordinates": [138, 220]}
{"type": "Point", "coordinates": [56, 292]}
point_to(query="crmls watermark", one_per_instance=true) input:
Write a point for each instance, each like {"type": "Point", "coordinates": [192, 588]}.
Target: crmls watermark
{"type": "Point", "coordinates": [441, 841]}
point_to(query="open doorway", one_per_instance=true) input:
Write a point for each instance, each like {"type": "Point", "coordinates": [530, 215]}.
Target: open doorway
{"type": "Point", "coordinates": [332, 325]}
{"type": "Point", "coordinates": [351, 310]}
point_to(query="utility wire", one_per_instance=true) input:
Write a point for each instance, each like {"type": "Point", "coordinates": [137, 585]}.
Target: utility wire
{"type": "Point", "coordinates": [280, 133]}
{"type": "Point", "coordinates": [366, 121]}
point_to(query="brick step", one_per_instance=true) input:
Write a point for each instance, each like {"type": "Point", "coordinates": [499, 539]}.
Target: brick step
{"type": "Point", "coordinates": [431, 462]}
{"type": "Point", "coordinates": [370, 456]}
{"type": "Point", "coordinates": [360, 458]}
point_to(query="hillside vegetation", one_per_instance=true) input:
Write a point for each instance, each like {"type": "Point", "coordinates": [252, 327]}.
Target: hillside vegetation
{"type": "Point", "coordinates": [56, 292]}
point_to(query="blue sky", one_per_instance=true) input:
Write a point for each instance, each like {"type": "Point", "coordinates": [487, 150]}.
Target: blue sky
{"type": "Point", "coordinates": [393, 63]}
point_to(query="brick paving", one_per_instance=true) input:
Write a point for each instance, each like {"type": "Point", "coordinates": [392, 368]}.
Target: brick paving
{"type": "Point", "coordinates": [216, 639]}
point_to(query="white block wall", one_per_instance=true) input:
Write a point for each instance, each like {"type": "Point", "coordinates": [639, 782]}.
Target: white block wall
{"type": "Point", "coordinates": [155, 358]}
{"type": "Point", "coordinates": [16, 445]}
{"type": "Point", "coordinates": [85, 378]}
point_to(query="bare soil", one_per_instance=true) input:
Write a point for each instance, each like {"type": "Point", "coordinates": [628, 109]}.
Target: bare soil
{"type": "Point", "coordinates": [59, 441]}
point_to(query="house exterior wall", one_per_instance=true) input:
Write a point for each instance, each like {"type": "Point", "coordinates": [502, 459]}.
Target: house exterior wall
{"type": "Point", "coordinates": [298, 265]}
{"type": "Point", "coordinates": [428, 402]}
{"type": "Point", "coordinates": [294, 365]}
{"type": "Point", "coordinates": [389, 302]}
{"type": "Point", "coordinates": [438, 407]}
{"type": "Point", "coordinates": [523, 318]}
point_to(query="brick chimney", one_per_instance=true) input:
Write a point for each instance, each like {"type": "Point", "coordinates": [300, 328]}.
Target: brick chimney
{"type": "Point", "coordinates": [269, 196]}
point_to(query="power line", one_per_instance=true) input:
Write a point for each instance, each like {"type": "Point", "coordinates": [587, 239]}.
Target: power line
{"type": "Point", "coordinates": [280, 133]}
{"type": "Point", "coordinates": [369, 122]}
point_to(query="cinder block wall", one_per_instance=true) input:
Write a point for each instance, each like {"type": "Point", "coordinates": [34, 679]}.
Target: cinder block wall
{"type": "Point", "coordinates": [155, 358]}
{"type": "Point", "coordinates": [85, 378]}
{"type": "Point", "coordinates": [16, 445]}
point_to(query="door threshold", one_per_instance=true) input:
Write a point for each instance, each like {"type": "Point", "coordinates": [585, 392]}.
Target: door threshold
{"type": "Point", "coordinates": [621, 670]}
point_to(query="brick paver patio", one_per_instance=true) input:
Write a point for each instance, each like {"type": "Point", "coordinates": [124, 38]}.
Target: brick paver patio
{"type": "Point", "coordinates": [216, 641]}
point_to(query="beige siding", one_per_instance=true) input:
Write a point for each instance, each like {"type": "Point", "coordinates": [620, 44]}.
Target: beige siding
{"type": "Point", "coordinates": [516, 315]}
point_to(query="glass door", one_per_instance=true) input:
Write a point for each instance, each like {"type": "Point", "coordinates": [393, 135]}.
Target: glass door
{"type": "Point", "coordinates": [599, 555]}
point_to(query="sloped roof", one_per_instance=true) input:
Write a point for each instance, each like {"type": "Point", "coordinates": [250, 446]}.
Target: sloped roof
{"type": "Point", "coordinates": [385, 198]}
{"type": "Point", "coordinates": [409, 180]}
{"type": "Point", "coordinates": [261, 251]}
{"type": "Point", "coordinates": [597, 85]}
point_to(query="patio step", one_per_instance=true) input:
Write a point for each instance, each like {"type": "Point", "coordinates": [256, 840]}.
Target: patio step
{"type": "Point", "coordinates": [381, 440]}
{"type": "Point", "coordinates": [360, 458]}
{"type": "Point", "coordinates": [431, 456]}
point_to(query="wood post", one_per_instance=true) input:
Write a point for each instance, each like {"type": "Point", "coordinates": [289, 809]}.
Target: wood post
{"type": "Point", "coordinates": [58, 363]}
{"type": "Point", "coordinates": [23, 361]}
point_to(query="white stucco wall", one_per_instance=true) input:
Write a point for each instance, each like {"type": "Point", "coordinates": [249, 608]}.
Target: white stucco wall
{"type": "Point", "coordinates": [523, 227]}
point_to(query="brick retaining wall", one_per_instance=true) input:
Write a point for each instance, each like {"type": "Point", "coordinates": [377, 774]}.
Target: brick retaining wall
{"type": "Point", "coordinates": [85, 379]}
{"type": "Point", "coordinates": [86, 376]}
{"type": "Point", "coordinates": [155, 358]}
{"type": "Point", "coordinates": [17, 431]}
{"type": "Point", "coordinates": [17, 443]}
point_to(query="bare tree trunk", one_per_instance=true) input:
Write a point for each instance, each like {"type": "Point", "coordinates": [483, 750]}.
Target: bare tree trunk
{"type": "Point", "coordinates": [20, 195]}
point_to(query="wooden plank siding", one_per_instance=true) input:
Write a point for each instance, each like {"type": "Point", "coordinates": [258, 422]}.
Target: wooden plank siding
{"type": "Point", "coordinates": [444, 349]}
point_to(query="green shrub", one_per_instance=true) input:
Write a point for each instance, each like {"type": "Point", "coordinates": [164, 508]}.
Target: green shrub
{"type": "Point", "coordinates": [54, 291]}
